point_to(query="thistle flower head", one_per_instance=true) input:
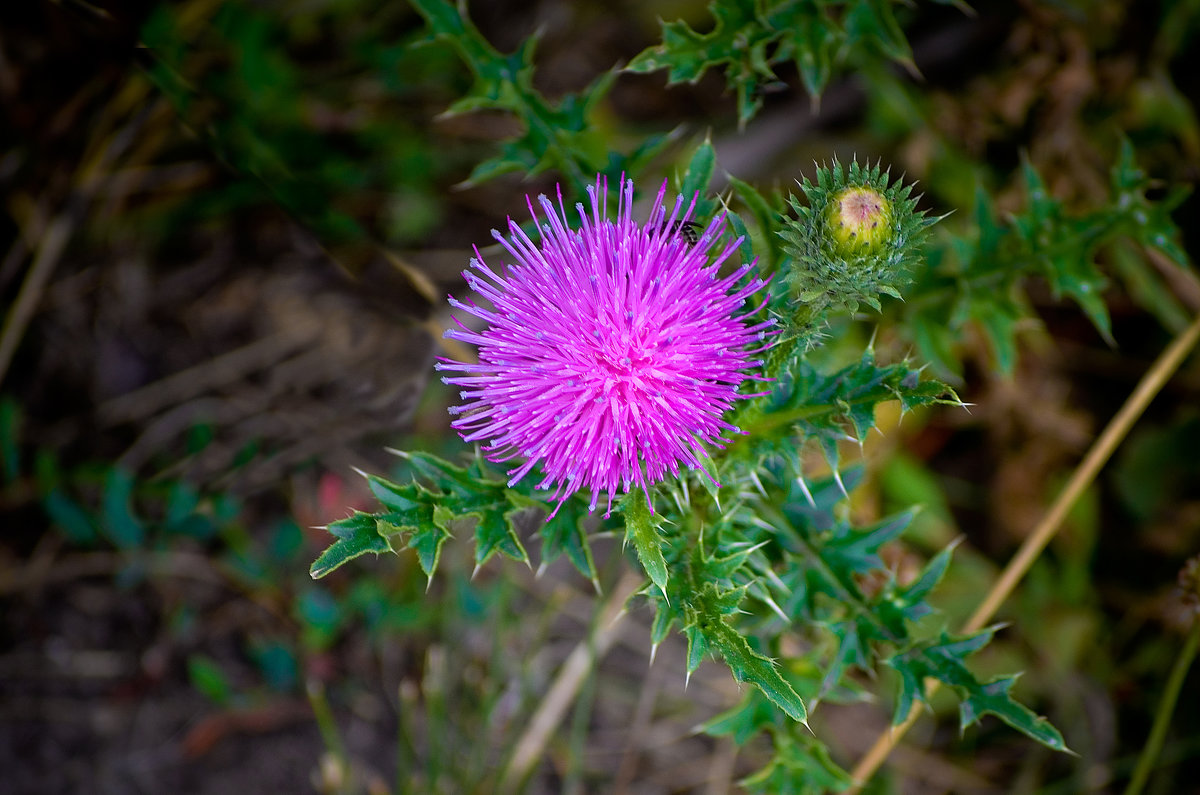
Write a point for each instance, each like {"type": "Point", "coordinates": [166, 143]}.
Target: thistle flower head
{"type": "Point", "coordinates": [854, 240]}
{"type": "Point", "coordinates": [610, 353]}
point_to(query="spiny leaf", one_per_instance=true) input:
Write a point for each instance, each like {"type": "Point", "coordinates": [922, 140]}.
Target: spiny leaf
{"type": "Point", "coordinates": [993, 697]}
{"type": "Point", "coordinates": [801, 765]}
{"type": "Point", "coordinates": [749, 37]}
{"type": "Point", "coordinates": [825, 407]}
{"type": "Point", "coordinates": [872, 22]}
{"type": "Point", "coordinates": [852, 649]}
{"type": "Point", "coordinates": [427, 541]}
{"type": "Point", "coordinates": [495, 532]}
{"type": "Point", "coordinates": [722, 568]}
{"type": "Point", "coordinates": [356, 535]}
{"type": "Point", "coordinates": [897, 605]}
{"type": "Point", "coordinates": [812, 40]}
{"type": "Point", "coordinates": [419, 518]}
{"type": "Point", "coordinates": [748, 665]}
{"type": "Point", "coordinates": [664, 618]}
{"type": "Point", "coordinates": [697, 647]}
{"type": "Point", "coordinates": [742, 722]}
{"type": "Point", "coordinates": [738, 41]}
{"type": "Point", "coordinates": [409, 506]}
{"type": "Point", "coordinates": [563, 136]}
{"type": "Point", "coordinates": [981, 281]}
{"type": "Point", "coordinates": [641, 527]}
{"type": "Point", "coordinates": [565, 533]}
{"type": "Point", "coordinates": [943, 658]}
{"type": "Point", "coordinates": [857, 550]}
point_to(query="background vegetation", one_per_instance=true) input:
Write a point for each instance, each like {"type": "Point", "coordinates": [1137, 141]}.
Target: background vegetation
{"type": "Point", "coordinates": [228, 231]}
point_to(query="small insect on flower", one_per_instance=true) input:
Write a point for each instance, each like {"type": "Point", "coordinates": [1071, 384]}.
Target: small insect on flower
{"type": "Point", "coordinates": [687, 230]}
{"type": "Point", "coordinates": [611, 352]}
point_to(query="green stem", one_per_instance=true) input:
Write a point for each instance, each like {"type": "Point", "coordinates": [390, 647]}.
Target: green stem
{"type": "Point", "coordinates": [328, 728]}
{"type": "Point", "coordinates": [1166, 706]}
{"type": "Point", "coordinates": [406, 754]}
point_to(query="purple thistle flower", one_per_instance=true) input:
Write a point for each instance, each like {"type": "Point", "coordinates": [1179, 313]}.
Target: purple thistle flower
{"type": "Point", "coordinates": [611, 352]}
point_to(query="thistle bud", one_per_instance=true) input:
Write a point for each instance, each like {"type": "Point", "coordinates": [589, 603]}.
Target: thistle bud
{"type": "Point", "coordinates": [859, 220]}
{"type": "Point", "coordinates": [854, 240]}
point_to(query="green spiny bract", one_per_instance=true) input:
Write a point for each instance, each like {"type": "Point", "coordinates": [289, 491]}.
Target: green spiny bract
{"type": "Point", "coordinates": [856, 239]}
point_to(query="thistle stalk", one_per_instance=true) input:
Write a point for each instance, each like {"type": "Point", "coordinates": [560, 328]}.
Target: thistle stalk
{"type": "Point", "coordinates": [1166, 707]}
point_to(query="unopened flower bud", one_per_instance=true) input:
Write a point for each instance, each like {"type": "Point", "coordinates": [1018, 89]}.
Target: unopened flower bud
{"type": "Point", "coordinates": [859, 220]}
{"type": "Point", "coordinates": [854, 240]}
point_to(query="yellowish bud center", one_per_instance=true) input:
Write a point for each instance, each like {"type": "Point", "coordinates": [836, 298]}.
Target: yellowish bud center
{"type": "Point", "coordinates": [860, 220]}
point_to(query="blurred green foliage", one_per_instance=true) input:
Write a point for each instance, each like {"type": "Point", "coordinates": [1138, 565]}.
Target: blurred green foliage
{"type": "Point", "coordinates": [327, 111]}
{"type": "Point", "coordinates": [822, 38]}
{"type": "Point", "coordinates": [338, 140]}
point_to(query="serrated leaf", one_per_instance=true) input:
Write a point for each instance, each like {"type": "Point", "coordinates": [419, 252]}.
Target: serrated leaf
{"type": "Point", "coordinates": [424, 516]}
{"type": "Point", "coordinates": [936, 341]}
{"type": "Point", "coordinates": [664, 618]}
{"type": "Point", "coordinates": [749, 37]}
{"type": "Point", "coordinates": [943, 658]}
{"type": "Point", "coordinates": [356, 535]}
{"type": "Point", "coordinates": [827, 407]}
{"type": "Point", "coordinates": [641, 527]}
{"type": "Point", "coordinates": [401, 501]}
{"type": "Point", "coordinates": [811, 39]}
{"type": "Point", "coordinates": [748, 665]}
{"type": "Point", "coordinates": [999, 319]}
{"type": "Point", "coordinates": [851, 650]}
{"type": "Point", "coordinates": [565, 533]}
{"type": "Point", "coordinates": [742, 722]}
{"type": "Point", "coordinates": [993, 698]}
{"type": "Point", "coordinates": [738, 41]}
{"type": "Point", "coordinates": [721, 569]}
{"type": "Point", "coordinates": [857, 550]}
{"type": "Point", "coordinates": [981, 282]}
{"type": "Point", "coordinates": [427, 540]}
{"type": "Point", "coordinates": [912, 598]}
{"type": "Point", "coordinates": [872, 21]}
{"type": "Point", "coordinates": [697, 647]}
{"type": "Point", "coordinates": [898, 605]}
{"type": "Point", "coordinates": [495, 532]}
{"type": "Point", "coordinates": [940, 658]}
{"type": "Point", "coordinates": [801, 765]}
{"type": "Point", "coordinates": [562, 136]}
